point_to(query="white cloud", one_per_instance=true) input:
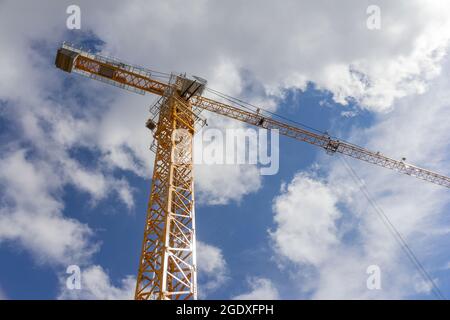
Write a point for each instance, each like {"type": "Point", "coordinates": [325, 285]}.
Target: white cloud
{"type": "Point", "coordinates": [312, 205]}
{"type": "Point", "coordinates": [260, 289]}
{"type": "Point", "coordinates": [97, 285]}
{"type": "Point", "coordinates": [424, 287]}
{"type": "Point", "coordinates": [212, 268]}
{"type": "Point", "coordinates": [324, 43]}
{"type": "Point", "coordinates": [32, 216]}
{"type": "Point", "coordinates": [222, 183]}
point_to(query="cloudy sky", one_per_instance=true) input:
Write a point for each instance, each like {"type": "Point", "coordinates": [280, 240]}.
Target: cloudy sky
{"type": "Point", "coordinates": [75, 163]}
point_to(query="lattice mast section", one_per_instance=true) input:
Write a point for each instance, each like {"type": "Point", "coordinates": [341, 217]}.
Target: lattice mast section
{"type": "Point", "coordinates": [167, 267]}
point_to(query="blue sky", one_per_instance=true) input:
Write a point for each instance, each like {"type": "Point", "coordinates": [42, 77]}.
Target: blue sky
{"type": "Point", "coordinates": [75, 165]}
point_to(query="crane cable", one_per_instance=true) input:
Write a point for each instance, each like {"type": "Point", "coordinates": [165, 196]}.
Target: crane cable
{"type": "Point", "coordinates": [243, 103]}
{"type": "Point", "coordinates": [393, 230]}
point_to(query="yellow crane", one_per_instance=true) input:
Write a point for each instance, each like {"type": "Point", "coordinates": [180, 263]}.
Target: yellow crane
{"type": "Point", "coordinates": [167, 266]}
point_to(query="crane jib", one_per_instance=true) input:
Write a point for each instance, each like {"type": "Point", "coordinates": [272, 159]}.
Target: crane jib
{"type": "Point", "coordinates": [132, 78]}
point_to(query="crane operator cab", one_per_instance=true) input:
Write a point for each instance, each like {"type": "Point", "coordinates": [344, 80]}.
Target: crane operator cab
{"type": "Point", "coordinates": [191, 86]}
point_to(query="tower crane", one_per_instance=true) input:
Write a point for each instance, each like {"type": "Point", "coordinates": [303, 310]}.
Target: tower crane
{"type": "Point", "coordinates": [167, 265]}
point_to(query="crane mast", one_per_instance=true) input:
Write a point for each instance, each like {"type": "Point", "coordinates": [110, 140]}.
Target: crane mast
{"type": "Point", "coordinates": [167, 265]}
